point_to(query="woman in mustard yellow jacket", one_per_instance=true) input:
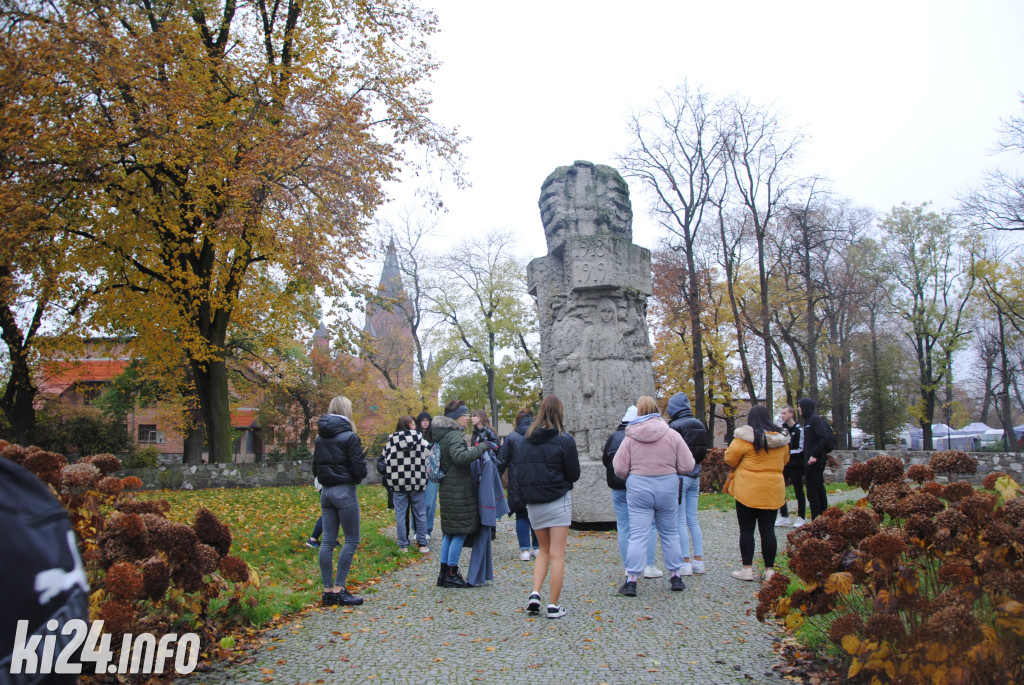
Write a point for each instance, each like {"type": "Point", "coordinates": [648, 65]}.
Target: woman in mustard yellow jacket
{"type": "Point", "coordinates": [757, 454]}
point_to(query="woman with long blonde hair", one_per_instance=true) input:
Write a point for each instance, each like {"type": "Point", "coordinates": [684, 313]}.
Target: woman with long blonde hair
{"type": "Point", "coordinates": [339, 465]}
{"type": "Point", "coordinates": [546, 466]}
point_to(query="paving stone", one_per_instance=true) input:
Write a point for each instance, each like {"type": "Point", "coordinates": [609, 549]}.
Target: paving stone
{"type": "Point", "coordinates": [410, 631]}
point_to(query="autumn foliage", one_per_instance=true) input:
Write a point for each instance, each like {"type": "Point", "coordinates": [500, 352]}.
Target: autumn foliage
{"type": "Point", "coordinates": [147, 572]}
{"type": "Point", "coordinates": [915, 584]}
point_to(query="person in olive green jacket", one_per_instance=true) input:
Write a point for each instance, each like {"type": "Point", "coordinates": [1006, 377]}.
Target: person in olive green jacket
{"type": "Point", "coordinates": [460, 515]}
{"type": "Point", "coordinates": [757, 455]}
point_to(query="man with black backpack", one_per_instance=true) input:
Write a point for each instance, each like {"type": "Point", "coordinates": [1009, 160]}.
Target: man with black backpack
{"type": "Point", "coordinates": [819, 439]}
{"type": "Point", "coordinates": [695, 435]}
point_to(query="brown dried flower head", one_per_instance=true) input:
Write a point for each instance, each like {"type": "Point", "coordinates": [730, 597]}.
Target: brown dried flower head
{"type": "Point", "coordinates": [106, 463]}
{"type": "Point", "coordinates": [848, 624]}
{"type": "Point", "coordinates": [933, 488]}
{"type": "Point", "coordinates": [979, 506]}
{"type": "Point", "coordinates": [155, 578]}
{"type": "Point", "coordinates": [956, 572]}
{"type": "Point", "coordinates": [887, 545]}
{"type": "Point", "coordinates": [920, 526]}
{"type": "Point", "coordinates": [212, 532]}
{"type": "Point", "coordinates": [859, 475]}
{"type": "Point", "coordinates": [118, 617]}
{"type": "Point", "coordinates": [955, 624]}
{"type": "Point", "coordinates": [79, 476]}
{"type": "Point", "coordinates": [131, 483]}
{"type": "Point", "coordinates": [954, 492]}
{"type": "Point", "coordinates": [110, 485]}
{"type": "Point", "coordinates": [124, 581]}
{"type": "Point", "coordinates": [1013, 511]}
{"type": "Point", "coordinates": [919, 473]}
{"type": "Point", "coordinates": [989, 482]}
{"type": "Point", "coordinates": [234, 569]}
{"type": "Point", "coordinates": [885, 627]}
{"type": "Point", "coordinates": [887, 469]}
{"type": "Point", "coordinates": [920, 503]}
{"type": "Point", "coordinates": [953, 461]}
{"type": "Point", "coordinates": [207, 558]}
{"type": "Point", "coordinates": [813, 558]}
{"type": "Point", "coordinates": [188, 577]}
{"type": "Point", "coordinates": [885, 498]}
{"type": "Point", "coordinates": [15, 453]}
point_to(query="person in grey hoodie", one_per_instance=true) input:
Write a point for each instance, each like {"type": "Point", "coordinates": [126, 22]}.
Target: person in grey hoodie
{"type": "Point", "coordinates": [651, 458]}
{"type": "Point", "coordinates": [695, 435]}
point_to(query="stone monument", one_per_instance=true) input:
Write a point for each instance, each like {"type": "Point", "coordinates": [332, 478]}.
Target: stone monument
{"type": "Point", "coordinates": [591, 291]}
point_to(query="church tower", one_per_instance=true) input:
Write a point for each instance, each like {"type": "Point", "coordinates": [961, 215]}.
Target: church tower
{"type": "Point", "coordinates": [387, 325]}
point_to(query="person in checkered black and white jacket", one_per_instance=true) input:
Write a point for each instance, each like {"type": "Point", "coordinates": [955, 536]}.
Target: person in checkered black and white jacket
{"type": "Point", "coordinates": [405, 470]}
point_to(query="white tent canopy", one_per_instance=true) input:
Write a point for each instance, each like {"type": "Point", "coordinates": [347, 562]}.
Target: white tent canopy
{"type": "Point", "coordinates": [975, 428]}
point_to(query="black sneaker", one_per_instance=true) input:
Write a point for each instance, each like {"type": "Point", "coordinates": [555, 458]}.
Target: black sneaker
{"type": "Point", "coordinates": [345, 598]}
{"type": "Point", "coordinates": [329, 599]}
{"type": "Point", "coordinates": [555, 611]}
{"type": "Point", "coordinates": [677, 584]}
{"type": "Point", "coordinates": [312, 543]}
{"type": "Point", "coordinates": [628, 588]}
{"type": "Point", "coordinates": [533, 603]}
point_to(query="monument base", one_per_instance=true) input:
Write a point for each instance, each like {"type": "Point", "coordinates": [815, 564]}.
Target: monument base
{"type": "Point", "coordinates": [591, 496]}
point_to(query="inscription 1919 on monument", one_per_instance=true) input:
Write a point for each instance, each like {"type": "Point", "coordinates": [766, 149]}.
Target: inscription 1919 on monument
{"type": "Point", "coordinates": [598, 261]}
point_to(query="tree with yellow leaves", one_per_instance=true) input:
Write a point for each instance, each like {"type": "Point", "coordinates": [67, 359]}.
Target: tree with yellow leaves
{"type": "Point", "coordinates": [230, 155]}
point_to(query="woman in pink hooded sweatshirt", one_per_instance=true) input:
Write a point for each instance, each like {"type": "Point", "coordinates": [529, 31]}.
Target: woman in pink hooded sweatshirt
{"type": "Point", "coordinates": [651, 458]}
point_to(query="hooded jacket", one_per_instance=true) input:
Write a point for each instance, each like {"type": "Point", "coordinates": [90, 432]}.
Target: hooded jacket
{"type": "Point", "coordinates": [651, 448]}
{"type": "Point", "coordinates": [692, 429]}
{"type": "Point", "coordinates": [757, 475]}
{"type": "Point", "coordinates": [547, 466]}
{"type": "Point", "coordinates": [405, 461]}
{"type": "Point", "coordinates": [457, 492]}
{"type": "Point", "coordinates": [814, 427]}
{"type": "Point", "coordinates": [426, 433]}
{"type": "Point", "coordinates": [338, 457]}
{"type": "Point", "coordinates": [507, 460]}
{"type": "Point", "coordinates": [611, 446]}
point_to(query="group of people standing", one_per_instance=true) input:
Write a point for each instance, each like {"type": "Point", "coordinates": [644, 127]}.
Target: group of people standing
{"type": "Point", "coordinates": [653, 470]}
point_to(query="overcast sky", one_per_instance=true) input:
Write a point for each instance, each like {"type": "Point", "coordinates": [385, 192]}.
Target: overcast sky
{"type": "Point", "coordinates": [898, 100]}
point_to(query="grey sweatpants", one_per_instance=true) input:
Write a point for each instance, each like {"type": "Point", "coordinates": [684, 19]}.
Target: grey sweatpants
{"type": "Point", "coordinates": [340, 509]}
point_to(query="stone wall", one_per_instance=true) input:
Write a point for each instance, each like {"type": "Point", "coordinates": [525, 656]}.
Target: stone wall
{"type": "Point", "coordinates": [1008, 462]}
{"type": "Point", "coordinates": [202, 476]}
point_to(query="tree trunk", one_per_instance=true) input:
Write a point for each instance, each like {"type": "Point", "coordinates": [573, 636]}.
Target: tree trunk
{"type": "Point", "coordinates": [766, 322]}
{"type": "Point", "coordinates": [212, 388]}
{"type": "Point", "coordinates": [18, 401]}
{"type": "Point", "coordinates": [696, 336]}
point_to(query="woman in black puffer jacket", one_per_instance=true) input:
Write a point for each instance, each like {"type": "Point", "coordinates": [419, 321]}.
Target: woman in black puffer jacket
{"type": "Point", "coordinates": [339, 464]}
{"type": "Point", "coordinates": [547, 464]}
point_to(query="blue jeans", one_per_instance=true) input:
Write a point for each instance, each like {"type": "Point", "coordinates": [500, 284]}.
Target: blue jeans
{"type": "Point", "coordinates": [524, 532]}
{"type": "Point", "coordinates": [419, 519]}
{"type": "Point", "coordinates": [653, 500]}
{"type": "Point", "coordinates": [689, 528]}
{"type": "Point", "coordinates": [622, 525]}
{"type": "Point", "coordinates": [318, 529]}
{"type": "Point", "coordinates": [451, 548]}
{"type": "Point", "coordinates": [340, 508]}
{"type": "Point", "coordinates": [430, 498]}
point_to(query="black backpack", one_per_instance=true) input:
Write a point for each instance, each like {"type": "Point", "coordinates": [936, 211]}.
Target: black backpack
{"type": "Point", "coordinates": [825, 433]}
{"type": "Point", "coordinates": [47, 581]}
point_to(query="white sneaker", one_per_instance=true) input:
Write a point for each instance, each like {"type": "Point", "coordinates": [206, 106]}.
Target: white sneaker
{"type": "Point", "coordinates": [686, 569]}
{"type": "Point", "coordinates": [534, 551]}
{"type": "Point", "coordinates": [767, 575]}
{"type": "Point", "coordinates": [698, 567]}
{"type": "Point", "coordinates": [524, 555]}
{"type": "Point", "coordinates": [744, 574]}
{"type": "Point", "coordinates": [424, 549]}
{"type": "Point", "coordinates": [653, 572]}
{"type": "Point", "coordinates": [555, 611]}
{"type": "Point", "coordinates": [799, 522]}
{"type": "Point", "coordinates": [782, 522]}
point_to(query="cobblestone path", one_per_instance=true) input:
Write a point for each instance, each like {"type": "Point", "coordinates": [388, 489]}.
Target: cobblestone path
{"type": "Point", "coordinates": [409, 631]}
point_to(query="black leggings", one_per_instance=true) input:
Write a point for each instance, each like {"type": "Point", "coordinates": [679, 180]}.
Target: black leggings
{"type": "Point", "coordinates": [795, 477]}
{"type": "Point", "coordinates": [764, 519]}
{"type": "Point", "coordinates": [817, 497]}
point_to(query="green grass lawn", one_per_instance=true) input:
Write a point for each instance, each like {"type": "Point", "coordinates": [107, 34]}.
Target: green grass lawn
{"type": "Point", "coordinates": [723, 502]}
{"type": "Point", "coordinates": [269, 527]}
